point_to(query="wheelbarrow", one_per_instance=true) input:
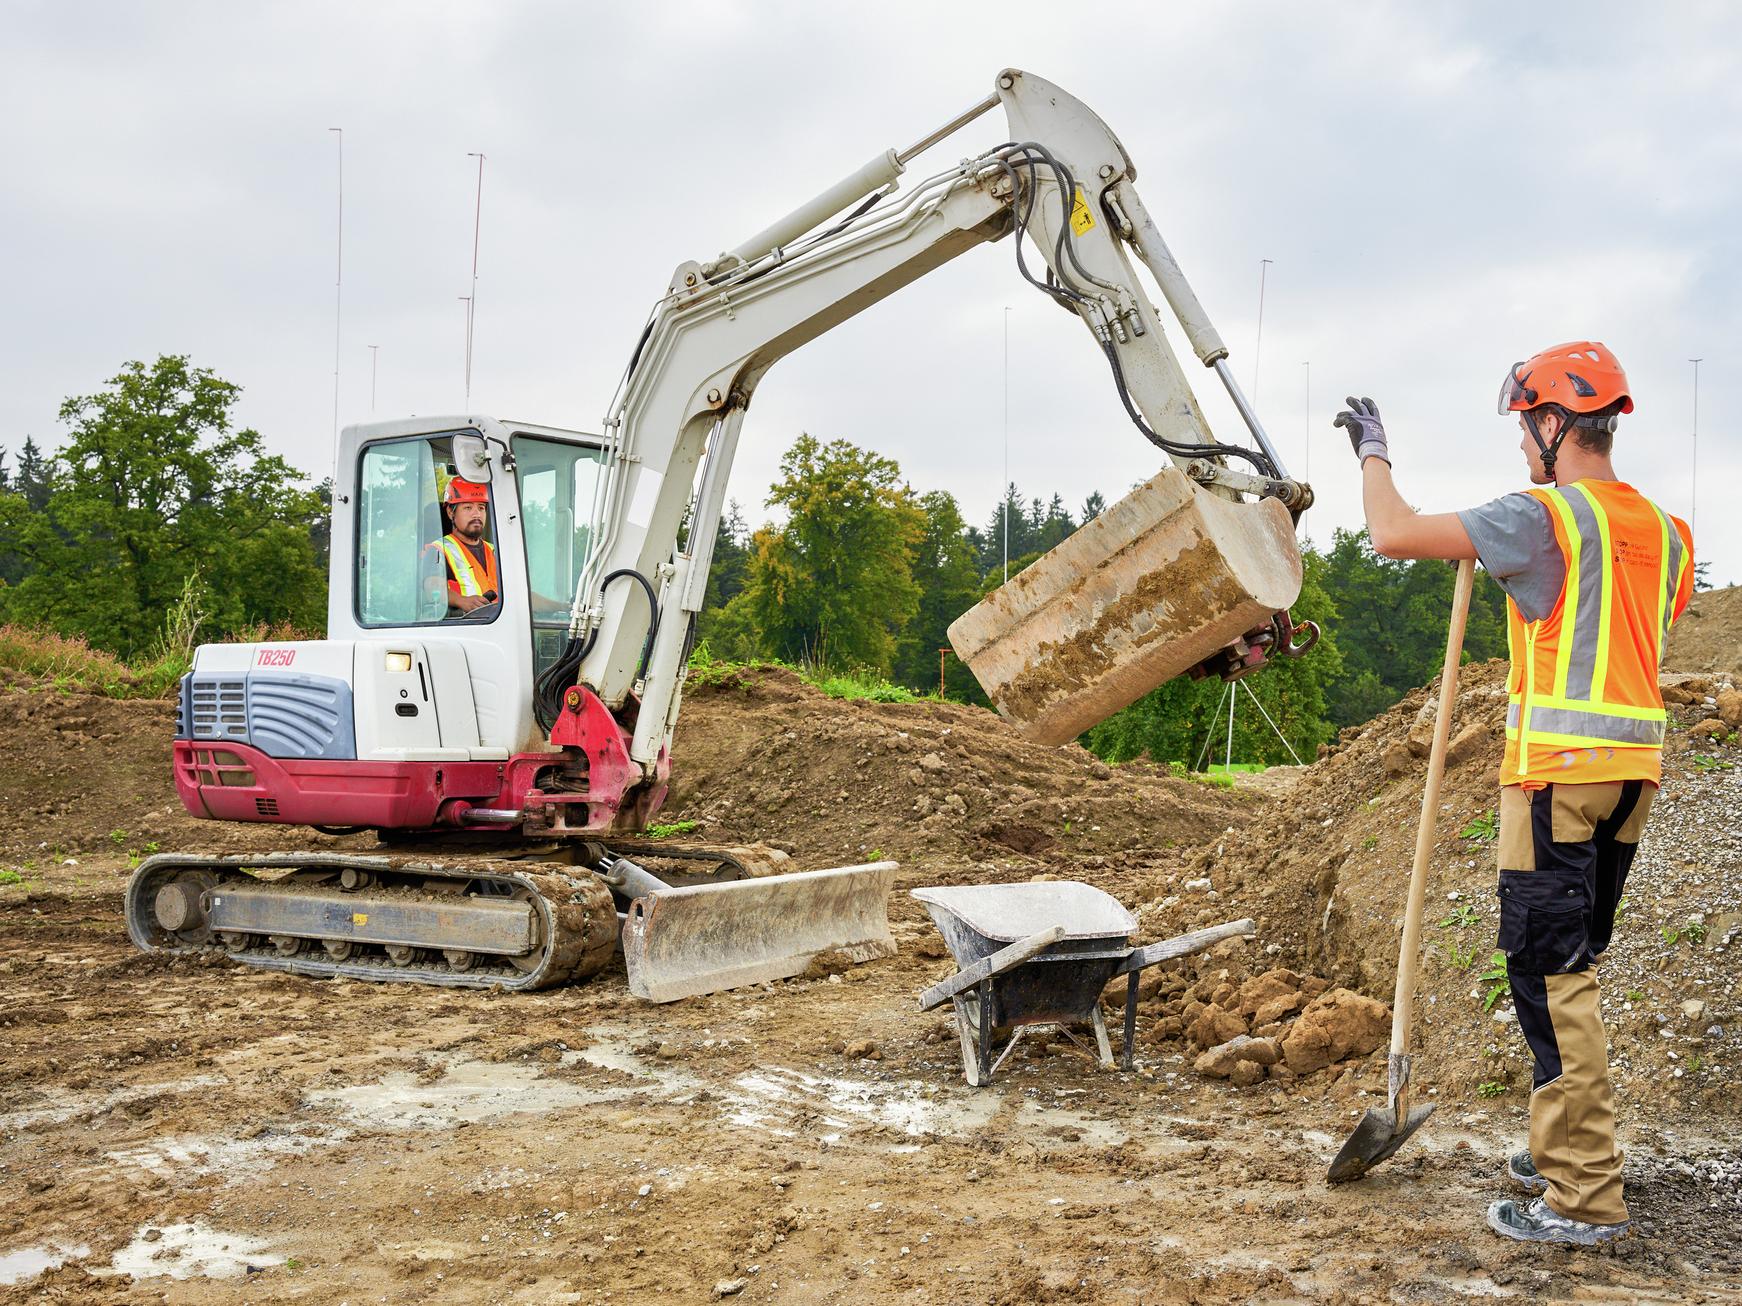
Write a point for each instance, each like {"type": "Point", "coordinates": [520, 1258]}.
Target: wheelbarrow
{"type": "Point", "coordinates": [1041, 953]}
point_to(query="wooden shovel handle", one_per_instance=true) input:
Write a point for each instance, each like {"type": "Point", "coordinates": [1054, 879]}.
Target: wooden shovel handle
{"type": "Point", "coordinates": [1409, 953]}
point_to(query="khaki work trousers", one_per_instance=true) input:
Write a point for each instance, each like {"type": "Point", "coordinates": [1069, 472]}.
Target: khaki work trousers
{"type": "Point", "coordinates": [1564, 854]}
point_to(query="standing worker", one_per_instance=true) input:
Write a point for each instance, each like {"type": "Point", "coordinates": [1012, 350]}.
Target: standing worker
{"type": "Point", "coordinates": [1594, 575]}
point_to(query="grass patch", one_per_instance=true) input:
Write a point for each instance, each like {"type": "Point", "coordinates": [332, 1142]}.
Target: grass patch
{"type": "Point", "coordinates": [669, 829]}
{"type": "Point", "coordinates": [10, 877]}
{"type": "Point", "coordinates": [73, 666]}
{"type": "Point", "coordinates": [860, 684]}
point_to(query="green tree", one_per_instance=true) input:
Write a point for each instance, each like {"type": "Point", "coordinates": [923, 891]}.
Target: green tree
{"type": "Point", "coordinates": [835, 584]}
{"type": "Point", "coordinates": [156, 490]}
{"type": "Point", "coordinates": [948, 575]}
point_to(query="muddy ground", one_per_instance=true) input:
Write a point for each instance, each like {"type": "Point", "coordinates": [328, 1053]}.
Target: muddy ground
{"type": "Point", "coordinates": [191, 1132]}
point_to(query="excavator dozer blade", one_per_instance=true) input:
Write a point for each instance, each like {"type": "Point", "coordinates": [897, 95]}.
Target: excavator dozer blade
{"type": "Point", "coordinates": [1153, 586]}
{"type": "Point", "coordinates": [678, 943]}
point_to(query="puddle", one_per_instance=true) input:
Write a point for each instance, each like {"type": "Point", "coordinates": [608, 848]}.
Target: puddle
{"type": "Point", "coordinates": [196, 1250]}
{"type": "Point", "coordinates": [468, 1090]}
{"type": "Point", "coordinates": [773, 1098]}
{"type": "Point", "coordinates": [1090, 1130]}
{"type": "Point", "coordinates": [25, 1264]}
{"type": "Point", "coordinates": [236, 1159]}
{"type": "Point", "coordinates": [68, 1106]}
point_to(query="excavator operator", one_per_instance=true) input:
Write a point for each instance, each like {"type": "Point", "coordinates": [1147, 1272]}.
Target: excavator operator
{"type": "Point", "coordinates": [1594, 573]}
{"type": "Point", "coordinates": [473, 578]}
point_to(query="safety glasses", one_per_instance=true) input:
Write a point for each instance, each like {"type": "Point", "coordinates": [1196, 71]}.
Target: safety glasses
{"type": "Point", "coordinates": [1514, 393]}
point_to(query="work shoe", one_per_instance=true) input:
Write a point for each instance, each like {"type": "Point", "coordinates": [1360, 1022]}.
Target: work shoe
{"type": "Point", "coordinates": [1522, 1170]}
{"type": "Point", "coordinates": [1535, 1222]}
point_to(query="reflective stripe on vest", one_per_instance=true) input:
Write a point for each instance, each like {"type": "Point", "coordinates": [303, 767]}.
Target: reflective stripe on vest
{"type": "Point", "coordinates": [1571, 713]}
{"type": "Point", "coordinates": [465, 571]}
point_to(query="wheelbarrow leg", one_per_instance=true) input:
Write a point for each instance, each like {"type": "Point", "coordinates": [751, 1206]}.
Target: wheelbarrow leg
{"type": "Point", "coordinates": [1125, 1052]}
{"type": "Point", "coordinates": [1101, 1042]}
{"type": "Point", "coordinates": [985, 1049]}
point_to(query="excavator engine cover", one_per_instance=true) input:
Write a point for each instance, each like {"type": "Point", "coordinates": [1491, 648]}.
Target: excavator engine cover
{"type": "Point", "coordinates": [1153, 586]}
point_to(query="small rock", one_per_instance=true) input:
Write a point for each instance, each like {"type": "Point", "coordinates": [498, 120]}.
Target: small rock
{"type": "Point", "coordinates": [1710, 728]}
{"type": "Point", "coordinates": [932, 762]}
{"type": "Point", "coordinates": [1467, 744]}
{"type": "Point", "coordinates": [1337, 1024]}
{"type": "Point", "coordinates": [1693, 1011]}
{"type": "Point", "coordinates": [1215, 1026]}
{"type": "Point", "coordinates": [1396, 758]}
{"type": "Point", "coordinates": [863, 1049]}
{"type": "Point", "coordinates": [1246, 1074]}
{"type": "Point", "coordinates": [1730, 708]}
{"type": "Point", "coordinates": [730, 1287]}
{"type": "Point", "coordinates": [1221, 1061]}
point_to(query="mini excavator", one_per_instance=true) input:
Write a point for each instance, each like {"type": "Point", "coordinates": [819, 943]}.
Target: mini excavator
{"type": "Point", "coordinates": [501, 714]}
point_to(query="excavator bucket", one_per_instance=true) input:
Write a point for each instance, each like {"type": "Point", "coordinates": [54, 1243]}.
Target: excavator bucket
{"type": "Point", "coordinates": [1156, 584]}
{"type": "Point", "coordinates": [702, 938]}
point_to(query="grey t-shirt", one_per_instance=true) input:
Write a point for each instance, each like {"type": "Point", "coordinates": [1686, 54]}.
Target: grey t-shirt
{"type": "Point", "coordinates": [1515, 541]}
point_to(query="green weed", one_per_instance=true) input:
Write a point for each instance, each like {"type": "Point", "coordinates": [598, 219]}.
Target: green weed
{"type": "Point", "coordinates": [11, 877]}
{"type": "Point", "coordinates": [1694, 932]}
{"type": "Point", "coordinates": [118, 837]}
{"type": "Point", "coordinates": [1710, 762]}
{"type": "Point", "coordinates": [1491, 1088]}
{"type": "Point", "coordinates": [1461, 917]}
{"type": "Point", "coordinates": [1482, 829]}
{"type": "Point", "coordinates": [1370, 842]}
{"type": "Point", "coordinates": [1462, 958]}
{"type": "Point", "coordinates": [1696, 1063]}
{"type": "Point", "coordinates": [670, 829]}
{"type": "Point", "coordinates": [1496, 979]}
{"type": "Point", "coordinates": [1636, 995]}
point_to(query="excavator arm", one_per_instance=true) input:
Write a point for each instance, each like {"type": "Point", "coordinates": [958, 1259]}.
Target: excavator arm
{"type": "Point", "coordinates": [1063, 181]}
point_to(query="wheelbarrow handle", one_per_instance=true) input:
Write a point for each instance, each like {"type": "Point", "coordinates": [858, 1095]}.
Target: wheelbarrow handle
{"type": "Point", "coordinates": [1184, 945]}
{"type": "Point", "coordinates": [1004, 959]}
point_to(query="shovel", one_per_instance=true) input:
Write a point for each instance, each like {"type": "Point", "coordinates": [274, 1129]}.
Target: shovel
{"type": "Point", "coordinates": [1383, 1130]}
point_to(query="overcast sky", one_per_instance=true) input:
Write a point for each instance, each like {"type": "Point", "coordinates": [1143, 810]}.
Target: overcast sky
{"type": "Point", "coordinates": [1443, 189]}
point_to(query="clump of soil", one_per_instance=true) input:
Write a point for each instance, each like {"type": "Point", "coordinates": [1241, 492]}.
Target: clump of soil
{"type": "Point", "coordinates": [765, 756]}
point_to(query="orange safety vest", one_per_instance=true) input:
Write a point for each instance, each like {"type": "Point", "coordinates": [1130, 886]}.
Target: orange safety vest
{"type": "Point", "coordinates": [466, 576]}
{"type": "Point", "coordinates": [1583, 700]}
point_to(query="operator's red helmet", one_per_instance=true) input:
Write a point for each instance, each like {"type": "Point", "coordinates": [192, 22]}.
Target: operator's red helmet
{"type": "Point", "coordinates": [1581, 377]}
{"type": "Point", "coordinates": [460, 490]}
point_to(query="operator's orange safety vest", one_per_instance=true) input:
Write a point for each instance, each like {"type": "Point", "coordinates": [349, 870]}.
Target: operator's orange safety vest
{"type": "Point", "coordinates": [1583, 700]}
{"type": "Point", "coordinates": [467, 574]}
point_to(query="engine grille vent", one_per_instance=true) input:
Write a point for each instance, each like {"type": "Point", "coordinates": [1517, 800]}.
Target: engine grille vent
{"type": "Point", "coordinates": [266, 806]}
{"type": "Point", "coordinates": [219, 709]}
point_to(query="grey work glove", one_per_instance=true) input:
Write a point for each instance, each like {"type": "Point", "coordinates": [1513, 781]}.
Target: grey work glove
{"type": "Point", "coordinates": [1366, 431]}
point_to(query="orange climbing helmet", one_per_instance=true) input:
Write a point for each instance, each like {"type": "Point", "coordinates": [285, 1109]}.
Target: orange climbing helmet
{"type": "Point", "coordinates": [1581, 377]}
{"type": "Point", "coordinates": [460, 490]}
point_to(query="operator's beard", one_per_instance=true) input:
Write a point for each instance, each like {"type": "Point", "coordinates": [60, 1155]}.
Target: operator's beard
{"type": "Point", "coordinates": [473, 536]}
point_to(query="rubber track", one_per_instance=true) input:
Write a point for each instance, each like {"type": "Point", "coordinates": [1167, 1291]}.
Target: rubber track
{"type": "Point", "coordinates": [578, 915]}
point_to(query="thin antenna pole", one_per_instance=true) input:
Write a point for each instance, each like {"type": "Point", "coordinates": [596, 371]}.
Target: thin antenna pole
{"type": "Point", "coordinates": [467, 301]}
{"type": "Point", "coordinates": [1307, 435]}
{"type": "Point", "coordinates": [1694, 462]}
{"type": "Point", "coordinates": [338, 290]}
{"type": "Point", "coordinates": [1258, 344]}
{"type": "Point", "coordinates": [1005, 492]}
{"type": "Point", "coordinates": [472, 300]}
{"type": "Point", "coordinates": [374, 358]}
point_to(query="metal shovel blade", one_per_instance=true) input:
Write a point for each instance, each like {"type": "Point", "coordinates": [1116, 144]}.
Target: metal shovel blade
{"type": "Point", "coordinates": [681, 942]}
{"type": "Point", "coordinates": [1375, 1139]}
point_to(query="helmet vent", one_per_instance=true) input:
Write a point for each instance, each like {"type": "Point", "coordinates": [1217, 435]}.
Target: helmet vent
{"type": "Point", "coordinates": [1581, 387]}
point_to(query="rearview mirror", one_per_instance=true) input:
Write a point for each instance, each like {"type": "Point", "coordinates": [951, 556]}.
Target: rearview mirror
{"type": "Point", "coordinates": [471, 458]}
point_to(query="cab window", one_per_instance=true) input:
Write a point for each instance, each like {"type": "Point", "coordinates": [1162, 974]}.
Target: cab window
{"type": "Point", "coordinates": [425, 545]}
{"type": "Point", "coordinates": [557, 482]}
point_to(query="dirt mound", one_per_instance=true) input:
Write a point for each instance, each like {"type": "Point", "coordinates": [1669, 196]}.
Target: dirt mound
{"type": "Point", "coordinates": [1326, 869]}
{"type": "Point", "coordinates": [1709, 635]}
{"type": "Point", "coordinates": [765, 756]}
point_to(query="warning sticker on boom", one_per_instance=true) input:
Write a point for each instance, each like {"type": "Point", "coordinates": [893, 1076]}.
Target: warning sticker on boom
{"type": "Point", "coordinates": [1082, 221]}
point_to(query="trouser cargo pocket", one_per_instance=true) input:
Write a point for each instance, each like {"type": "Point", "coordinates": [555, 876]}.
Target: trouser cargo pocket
{"type": "Point", "coordinates": [1544, 921]}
